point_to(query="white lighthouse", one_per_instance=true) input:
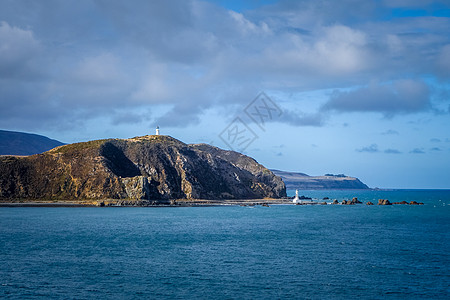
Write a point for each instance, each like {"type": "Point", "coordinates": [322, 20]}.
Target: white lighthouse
{"type": "Point", "coordinates": [296, 199]}
{"type": "Point", "coordinates": [157, 130]}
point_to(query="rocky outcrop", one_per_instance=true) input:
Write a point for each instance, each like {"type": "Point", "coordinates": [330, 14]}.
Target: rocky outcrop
{"type": "Point", "coordinates": [415, 203]}
{"type": "Point", "coordinates": [295, 180]}
{"type": "Point", "coordinates": [355, 201]}
{"type": "Point", "coordinates": [349, 202]}
{"type": "Point", "coordinates": [141, 168]}
{"type": "Point", "coordinates": [406, 203]}
{"type": "Point", "coordinates": [369, 203]}
{"type": "Point", "coordinates": [402, 202]}
{"type": "Point", "coordinates": [384, 202]}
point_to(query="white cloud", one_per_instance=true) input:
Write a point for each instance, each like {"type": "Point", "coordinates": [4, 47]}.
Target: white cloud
{"type": "Point", "coordinates": [98, 70]}
{"type": "Point", "coordinates": [142, 53]}
{"type": "Point", "coordinates": [443, 61]}
{"type": "Point", "coordinates": [402, 96]}
{"type": "Point", "coordinates": [154, 86]}
{"type": "Point", "coordinates": [17, 48]}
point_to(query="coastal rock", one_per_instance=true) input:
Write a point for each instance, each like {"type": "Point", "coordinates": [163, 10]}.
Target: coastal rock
{"type": "Point", "coordinates": [402, 202]}
{"type": "Point", "coordinates": [369, 203]}
{"type": "Point", "coordinates": [355, 201]}
{"type": "Point", "coordinates": [384, 202]}
{"type": "Point", "coordinates": [335, 202]}
{"type": "Point", "coordinates": [159, 168]}
{"type": "Point", "coordinates": [415, 203]}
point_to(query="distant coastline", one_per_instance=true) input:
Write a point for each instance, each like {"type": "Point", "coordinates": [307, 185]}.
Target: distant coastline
{"type": "Point", "coordinates": [302, 181]}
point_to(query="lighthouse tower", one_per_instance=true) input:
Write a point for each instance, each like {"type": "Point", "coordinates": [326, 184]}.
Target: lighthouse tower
{"type": "Point", "coordinates": [296, 199]}
{"type": "Point", "coordinates": [157, 130]}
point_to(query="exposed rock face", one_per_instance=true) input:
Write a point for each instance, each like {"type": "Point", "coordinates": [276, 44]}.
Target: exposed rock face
{"type": "Point", "coordinates": [415, 203]}
{"type": "Point", "coordinates": [150, 167]}
{"type": "Point", "coordinates": [384, 202]}
{"type": "Point", "coordinates": [369, 203]}
{"type": "Point", "coordinates": [402, 202]}
{"type": "Point", "coordinates": [294, 180]}
{"type": "Point", "coordinates": [355, 201]}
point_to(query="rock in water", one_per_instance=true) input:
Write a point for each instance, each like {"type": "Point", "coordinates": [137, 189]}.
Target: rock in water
{"type": "Point", "coordinates": [384, 202]}
{"type": "Point", "coordinates": [402, 202]}
{"type": "Point", "coordinates": [149, 167]}
{"type": "Point", "coordinates": [369, 203]}
{"type": "Point", "coordinates": [415, 203]}
{"type": "Point", "coordinates": [355, 201]}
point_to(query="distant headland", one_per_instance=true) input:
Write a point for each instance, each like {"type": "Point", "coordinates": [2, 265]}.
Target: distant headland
{"type": "Point", "coordinates": [295, 180]}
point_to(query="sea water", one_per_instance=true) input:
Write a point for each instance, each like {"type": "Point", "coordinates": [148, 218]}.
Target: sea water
{"type": "Point", "coordinates": [285, 251]}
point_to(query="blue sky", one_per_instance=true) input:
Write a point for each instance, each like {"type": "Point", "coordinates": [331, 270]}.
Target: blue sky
{"type": "Point", "coordinates": [354, 87]}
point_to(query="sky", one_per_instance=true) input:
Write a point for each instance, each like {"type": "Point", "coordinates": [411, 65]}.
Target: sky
{"type": "Point", "coordinates": [354, 87]}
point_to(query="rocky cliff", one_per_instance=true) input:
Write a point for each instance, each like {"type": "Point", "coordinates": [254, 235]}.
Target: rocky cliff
{"type": "Point", "coordinates": [294, 180]}
{"type": "Point", "coordinates": [149, 167]}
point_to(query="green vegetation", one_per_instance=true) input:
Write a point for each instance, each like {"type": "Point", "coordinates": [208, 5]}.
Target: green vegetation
{"type": "Point", "coordinates": [79, 146]}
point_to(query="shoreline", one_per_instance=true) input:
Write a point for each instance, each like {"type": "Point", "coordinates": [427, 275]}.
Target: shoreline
{"type": "Point", "coordinates": [173, 203]}
{"type": "Point", "coordinates": [195, 203]}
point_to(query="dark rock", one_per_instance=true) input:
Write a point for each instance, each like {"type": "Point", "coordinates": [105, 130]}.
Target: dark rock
{"type": "Point", "coordinates": [304, 198]}
{"type": "Point", "coordinates": [335, 202]}
{"type": "Point", "coordinates": [355, 201]}
{"type": "Point", "coordinates": [326, 198]}
{"type": "Point", "coordinates": [414, 203]}
{"type": "Point", "coordinates": [384, 202]}
{"type": "Point", "coordinates": [402, 202]}
{"type": "Point", "coordinates": [369, 203]}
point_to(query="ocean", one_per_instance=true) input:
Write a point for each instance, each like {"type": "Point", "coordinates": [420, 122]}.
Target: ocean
{"type": "Point", "coordinates": [277, 252]}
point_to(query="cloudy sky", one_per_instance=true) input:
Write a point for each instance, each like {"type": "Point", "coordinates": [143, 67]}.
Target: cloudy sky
{"type": "Point", "coordinates": [354, 87]}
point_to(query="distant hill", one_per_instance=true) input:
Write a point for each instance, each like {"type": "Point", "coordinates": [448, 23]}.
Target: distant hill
{"type": "Point", "coordinates": [20, 143]}
{"type": "Point", "coordinates": [294, 180]}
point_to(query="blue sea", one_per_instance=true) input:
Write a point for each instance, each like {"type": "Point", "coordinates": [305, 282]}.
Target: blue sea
{"type": "Point", "coordinates": [277, 252]}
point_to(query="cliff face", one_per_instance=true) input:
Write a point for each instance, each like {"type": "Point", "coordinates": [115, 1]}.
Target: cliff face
{"type": "Point", "coordinates": [150, 167]}
{"type": "Point", "coordinates": [303, 181]}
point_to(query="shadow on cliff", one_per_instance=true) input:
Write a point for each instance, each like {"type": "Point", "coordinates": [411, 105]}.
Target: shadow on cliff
{"type": "Point", "coordinates": [117, 162]}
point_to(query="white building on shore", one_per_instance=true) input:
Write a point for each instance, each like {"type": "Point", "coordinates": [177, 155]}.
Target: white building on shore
{"type": "Point", "coordinates": [296, 199]}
